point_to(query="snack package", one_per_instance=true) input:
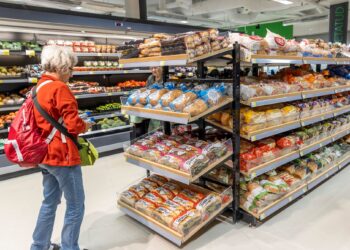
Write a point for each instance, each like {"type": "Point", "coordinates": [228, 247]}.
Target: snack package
{"type": "Point", "coordinates": [185, 223]}
{"type": "Point", "coordinates": [164, 215]}
{"type": "Point", "coordinates": [139, 190]}
{"type": "Point", "coordinates": [196, 108]}
{"type": "Point", "coordinates": [164, 193]}
{"type": "Point", "coordinates": [145, 206]}
{"type": "Point", "coordinates": [129, 198]}
{"type": "Point", "coordinates": [182, 101]}
{"type": "Point", "coordinates": [255, 197]}
{"type": "Point", "coordinates": [172, 187]}
{"type": "Point", "coordinates": [169, 97]}
{"type": "Point", "coordinates": [210, 204]}
{"type": "Point", "coordinates": [290, 113]}
{"type": "Point", "coordinates": [190, 148]}
{"type": "Point", "coordinates": [154, 198]}
{"type": "Point", "coordinates": [150, 185]}
{"type": "Point", "coordinates": [275, 41]}
{"type": "Point", "coordinates": [154, 98]}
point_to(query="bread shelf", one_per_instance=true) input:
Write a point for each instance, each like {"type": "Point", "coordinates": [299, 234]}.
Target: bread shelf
{"type": "Point", "coordinates": [284, 59]}
{"type": "Point", "coordinates": [168, 233]}
{"type": "Point", "coordinates": [219, 125]}
{"type": "Point", "coordinates": [110, 72]}
{"type": "Point", "coordinates": [171, 116]}
{"type": "Point", "coordinates": [172, 173]}
{"type": "Point", "coordinates": [98, 54]}
{"type": "Point", "coordinates": [265, 167]}
{"type": "Point", "coordinates": [87, 96]}
{"type": "Point", "coordinates": [289, 97]}
{"type": "Point", "coordinates": [299, 191]}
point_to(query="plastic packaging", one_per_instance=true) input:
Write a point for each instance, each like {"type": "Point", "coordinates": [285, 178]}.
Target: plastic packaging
{"type": "Point", "coordinates": [210, 204]}
{"type": "Point", "coordinates": [154, 98]}
{"type": "Point", "coordinates": [185, 223]}
{"type": "Point", "coordinates": [169, 97]}
{"type": "Point", "coordinates": [196, 108]}
{"type": "Point", "coordinates": [213, 96]}
{"type": "Point", "coordinates": [275, 41]}
{"type": "Point", "coordinates": [273, 117]}
{"type": "Point", "coordinates": [182, 101]}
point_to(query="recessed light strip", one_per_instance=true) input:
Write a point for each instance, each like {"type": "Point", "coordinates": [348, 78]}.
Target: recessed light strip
{"type": "Point", "coordinates": [286, 2]}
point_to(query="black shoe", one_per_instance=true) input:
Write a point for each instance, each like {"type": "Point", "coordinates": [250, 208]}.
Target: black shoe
{"type": "Point", "coordinates": [54, 247]}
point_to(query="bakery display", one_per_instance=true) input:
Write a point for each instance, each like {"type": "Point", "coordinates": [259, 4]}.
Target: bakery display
{"type": "Point", "coordinates": [84, 46]}
{"type": "Point", "coordinates": [177, 206]}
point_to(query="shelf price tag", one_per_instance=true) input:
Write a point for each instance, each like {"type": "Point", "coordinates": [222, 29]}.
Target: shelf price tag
{"type": "Point", "coordinates": [253, 138]}
{"type": "Point", "coordinates": [125, 71]}
{"type": "Point", "coordinates": [99, 54]}
{"type": "Point", "coordinates": [253, 104]}
{"type": "Point", "coordinates": [91, 72]}
{"type": "Point", "coordinates": [1, 81]}
{"type": "Point", "coordinates": [121, 65]}
{"type": "Point", "coordinates": [304, 189]}
{"type": "Point", "coordinates": [290, 198]}
{"type": "Point", "coordinates": [262, 216]}
{"type": "Point", "coordinates": [32, 80]}
{"type": "Point", "coordinates": [109, 94]}
{"type": "Point", "coordinates": [162, 63]}
{"type": "Point", "coordinates": [5, 52]}
{"type": "Point", "coordinates": [30, 53]}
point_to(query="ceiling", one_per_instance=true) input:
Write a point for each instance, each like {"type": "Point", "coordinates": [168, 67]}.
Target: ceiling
{"type": "Point", "coordinates": [307, 16]}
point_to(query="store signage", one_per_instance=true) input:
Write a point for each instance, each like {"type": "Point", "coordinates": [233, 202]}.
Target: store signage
{"type": "Point", "coordinates": [338, 22]}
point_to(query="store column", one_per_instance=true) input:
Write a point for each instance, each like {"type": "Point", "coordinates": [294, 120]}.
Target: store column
{"type": "Point", "coordinates": [136, 9]}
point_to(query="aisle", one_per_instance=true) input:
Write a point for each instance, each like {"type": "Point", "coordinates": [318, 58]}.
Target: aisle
{"type": "Point", "coordinates": [319, 221]}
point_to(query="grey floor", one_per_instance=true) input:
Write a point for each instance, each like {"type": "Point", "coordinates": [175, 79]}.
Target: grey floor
{"type": "Point", "coordinates": [321, 220]}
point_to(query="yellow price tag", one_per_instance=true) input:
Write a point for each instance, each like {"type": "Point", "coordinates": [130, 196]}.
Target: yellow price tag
{"type": "Point", "coordinates": [125, 71]}
{"type": "Point", "coordinates": [253, 175]}
{"type": "Point", "coordinates": [91, 72]}
{"type": "Point", "coordinates": [162, 63]}
{"type": "Point", "coordinates": [109, 94]}
{"type": "Point", "coordinates": [253, 138]}
{"type": "Point", "coordinates": [322, 117]}
{"type": "Point", "coordinates": [5, 52]}
{"type": "Point", "coordinates": [30, 52]}
{"type": "Point", "coordinates": [121, 66]}
{"type": "Point", "coordinates": [303, 96]}
{"type": "Point", "coordinates": [262, 216]}
{"type": "Point", "coordinates": [1, 81]}
{"type": "Point", "coordinates": [290, 198]}
{"type": "Point", "coordinates": [32, 80]}
{"type": "Point", "coordinates": [77, 97]}
{"type": "Point", "coordinates": [253, 104]}
{"type": "Point", "coordinates": [99, 54]}
{"type": "Point", "coordinates": [303, 124]}
{"type": "Point", "coordinates": [335, 114]}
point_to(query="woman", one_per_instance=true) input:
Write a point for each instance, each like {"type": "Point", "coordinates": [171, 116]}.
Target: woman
{"type": "Point", "coordinates": [61, 167]}
{"type": "Point", "coordinates": [147, 125]}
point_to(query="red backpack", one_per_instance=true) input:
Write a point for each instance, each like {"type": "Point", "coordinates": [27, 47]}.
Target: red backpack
{"type": "Point", "coordinates": [25, 144]}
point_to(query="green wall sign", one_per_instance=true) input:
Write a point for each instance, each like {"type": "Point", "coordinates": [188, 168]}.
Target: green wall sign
{"type": "Point", "coordinates": [338, 22]}
{"type": "Point", "coordinates": [276, 27]}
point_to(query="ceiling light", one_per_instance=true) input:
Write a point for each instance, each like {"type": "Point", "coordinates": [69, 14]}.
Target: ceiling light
{"type": "Point", "coordinates": [78, 7]}
{"type": "Point", "coordinates": [286, 2]}
{"type": "Point", "coordinates": [183, 21]}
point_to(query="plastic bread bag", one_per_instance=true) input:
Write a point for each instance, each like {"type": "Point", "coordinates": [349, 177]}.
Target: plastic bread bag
{"type": "Point", "coordinates": [164, 215]}
{"type": "Point", "coordinates": [291, 180]}
{"type": "Point", "coordinates": [275, 41]}
{"type": "Point", "coordinates": [174, 207]}
{"type": "Point", "coordinates": [154, 98]}
{"type": "Point", "coordinates": [157, 136]}
{"type": "Point", "coordinates": [213, 96]}
{"type": "Point", "coordinates": [196, 108]}
{"type": "Point", "coordinates": [215, 150]}
{"type": "Point", "coordinates": [195, 164]}
{"type": "Point", "coordinates": [255, 196]}
{"type": "Point", "coordinates": [175, 158]}
{"type": "Point", "coordinates": [182, 101]}
{"type": "Point", "coordinates": [252, 117]}
{"type": "Point", "coordinates": [134, 97]}
{"type": "Point", "coordinates": [252, 43]}
{"type": "Point", "coordinates": [292, 46]}
{"type": "Point", "coordinates": [172, 187]}
{"type": "Point", "coordinates": [248, 91]}
{"type": "Point", "coordinates": [210, 204]}
{"type": "Point", "coordinates": [185, 223]}
{"type": "Point", "coordinates": [145, 206]}
{"type": "Point", "coordinates": [142, 98]}
{"type": "Point", "coordinates": [150, 185]}
{"type": "Point", "coordinates": [190, 148]}
{"type": "Point", "coordinates": [129, 198]}
{"type": "Point", "coordinates": [187, 204]}
{"type": "Point", "coordinates": [139, 190]}
{"type": "Point", "coordinates": [160, 180]}
{"type": "Point", "coordinates": [273, 117]}
{"type": "Point", "coordinates": [167, 98]}
{"type": "Point", "coordinates": [192, 195]}
{"type": "Point", "coordinates": [197, 143]}
{"type": "Point", "coordinates": [164, 193]}
{"type": "Point", "coordinates": [153, 154]}
{"type": "Point", "coordinates": [137, 150]}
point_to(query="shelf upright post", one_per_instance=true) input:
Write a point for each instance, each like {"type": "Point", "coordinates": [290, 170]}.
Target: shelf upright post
{"type": "Point", "coordinates": [236, 129]}
{"type": "Point", "coordinates": [201, 122]}
{"type": "Point", "coordinates": [318, 68]}
{"type": "Point", "coordinates": [255, 69]}
{"type": "Point", "coordinates": [166, 125]}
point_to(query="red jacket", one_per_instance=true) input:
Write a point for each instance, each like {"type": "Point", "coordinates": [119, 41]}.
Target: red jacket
{"type": "Point", "coordinates": [58, 101]}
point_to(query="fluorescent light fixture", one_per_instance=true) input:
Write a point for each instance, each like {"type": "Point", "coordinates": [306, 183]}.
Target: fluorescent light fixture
{"type": "Point", "coordinates": [183, 21]}
{"type": "Point", "coordinates": [286, 2]}
{"type": "Point", "coordinates": [78, 7]}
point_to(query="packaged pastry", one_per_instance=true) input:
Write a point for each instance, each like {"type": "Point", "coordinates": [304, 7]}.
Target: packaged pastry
{"type": "Point", "coordinates": [139, 190]}
{"type": "Point", "coordinates": [145, 206]}
{"type": "Point", "coordinates": [190, 148]}
{"type": "Point", "coordinates": [196, 108]}
{"type": "Point", "coordinates": [164, 193]}
{"type": "Point", "coordinates": [255, 197]}
{"type": "Point", "coordinates": [197, 143]}
{"type": "Point", "coordinates": [192, 195]}
{"type": "Point", "coordinates": [164, 215]}
{"type": "Point", "coordinates": [154, 98]}
{"type": "Point", "coordinates": [185, 223]}
{"type": "Point", "coordinates": [252, 43]}
{"type": "Point", "coordinates": [273, 117]}
{"type": "Point", "coordinates": [215, 150]}
{"type": "Point", "coordinates": [173, 141]}
{"type": "Point", "coordinates": [169, 97]}
{"type": "Point", "coordinates": [251, 117]}
{"type": "Point", "coordinates": [172, 187]}
{"type": "Point", "coordinates": [143, 96]}
{"type": "Point", "coordinates": [129, 198]}
{"type": "Point", "coordinates": [184, 202]}
{"type": "Point", "coordinates": [160, 180]}
{"type": "Point", "coordinates": [291, 180]}
{"type": "Point", "coordinates": [290, 113]}
{"type": "Point", "coordinates": [210, 204]}
{"type": "Point", "coordinates": [150, 185]}
{"type": "Point", "coordinates": [182, 101]}
{"type": "Point", "coordinates": [275, 41]}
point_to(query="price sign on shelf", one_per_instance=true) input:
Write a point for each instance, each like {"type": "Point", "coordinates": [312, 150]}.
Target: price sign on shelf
{"type": "Point", "coordinates": [4, 52]}
{"type": "Point", "coordinates": [162, 63]}
{"type": "Point", "coordinates": [32, 80]}
{"type": "Point", "coordinates": [125, 71]}
{"type": "Point", "coordinates": [30, 53]}
{"type": "Point", "coordinates": [121, 65]}
{"type": "Point", "coordinates": [1, 81]}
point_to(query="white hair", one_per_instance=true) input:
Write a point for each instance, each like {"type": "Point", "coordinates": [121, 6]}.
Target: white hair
{"type": "Point", "coordinates": [58, 59]}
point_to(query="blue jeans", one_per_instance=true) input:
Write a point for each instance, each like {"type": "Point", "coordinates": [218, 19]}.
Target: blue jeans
{"type": "Point", "coordinates": [58, 180]}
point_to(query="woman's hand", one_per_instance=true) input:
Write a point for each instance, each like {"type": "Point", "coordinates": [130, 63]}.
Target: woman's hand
{"type": "Point", "coordinates": [87, 126]}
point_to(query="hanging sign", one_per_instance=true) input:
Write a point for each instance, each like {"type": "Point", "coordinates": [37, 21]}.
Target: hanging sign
{"type": "Point", "coordinates": [338, 22]}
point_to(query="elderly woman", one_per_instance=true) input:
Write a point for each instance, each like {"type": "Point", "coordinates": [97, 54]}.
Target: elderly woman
{"type": "Point", "coordinates": [61, 167]}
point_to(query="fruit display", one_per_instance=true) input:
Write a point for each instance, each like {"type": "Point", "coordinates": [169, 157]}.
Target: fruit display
{"type": "Point", "coordinates": [14, 71]}
{"type": "Point", "coordinates": [107, 123]}
{"type": "Point", "coordinates": [6, 120]}
{"type": "Point", "coordinates": [97, 66]}
{"type": "Point", "coordinates": [12, 99]}
{"type": "Point", "coordinates": [177, 206]}
{"type": "Point", "coordinates": [109, 107]}
{"type": "Point", "coordinates": [84, 46]}
{"type": "Point", "coordinates": [131, 84]}
{"type": "Point", "coordinates": [289, 80]}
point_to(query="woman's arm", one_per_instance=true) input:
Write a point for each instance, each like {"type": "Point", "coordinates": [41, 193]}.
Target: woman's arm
{"type": "Point", "coordinates": [67, 107]}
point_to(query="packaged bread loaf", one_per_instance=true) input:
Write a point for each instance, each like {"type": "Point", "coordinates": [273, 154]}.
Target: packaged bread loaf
{"type": "Point", "coordinates": [172, 187]}
{"type": "Point", "coordinates": [174, 207]}
{"type": "Point", "coordinates": [175, 158]}
{"type": "Point", "coordinates": [154, 98]}
{"type": "Point", "coordinates": [210, 204]}
{"type": "Point", "coordinates": [191, 195]}
{"type": "Point", "coordinates": [215, 150]}
{"type": "Point", "coordinates": [150, 185]}
{"type": "Point", "coordinates": [143, 96]}
{"type": "Point", "coordinates": [129, 198]}
{"type": "Point", "coordinates": [225, 119]}
{"type": "Point", "coordinates": [164, 193]}
{"type": "Point", "coordinates": [139, 190]}
{"type": "Point", "coordinates": [164, 215]}
{"type": "Point", "coordinates": [160, 180]}
{"type": "Point", "coordinates": [195, 164]}
{"type": "Point", "coordinates": [196, 108]}
{"type": "Point", "coordinates": [184, 202]}
{"type": "Point", "coordinates": [169, 97]}
{"type": "Point", "coordinates": [134, 97]}
{"type": "Point", "coordinates": [182, 101]}
{"type": "Point", "coordinates": [273, 117]}
{"type": "Point", "coordinates": [185, 223]}
{"type": "Point", "coordinates": [213, 96]}
{"type": "Point", "coordinates": [275, 41]}
{"type": "Point", "coordinates": [145, 206]}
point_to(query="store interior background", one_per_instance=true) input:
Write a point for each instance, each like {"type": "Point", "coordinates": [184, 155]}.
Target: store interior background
{"type": "Point", "coordinates": [117, 21]}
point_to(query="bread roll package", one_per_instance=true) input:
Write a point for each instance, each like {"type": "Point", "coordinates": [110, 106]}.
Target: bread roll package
{"type": "Point", "coordinates": [184, 202]}
{"type": "Point", "coordinates": [129, 198]}
{"type": "Point", "coordinates": [192, 195]}
{"type": "Point", "coordinates": [182, 101]}
{"type": "Point", "coordinates": [134, 97]}
{"type": "Point", "coordinates": [172, 187]}
{"type": "Point", "coordinates": [169, 97]}
{"type": "Point", "coordinates": [210, 204]}
{"type": "Point", "coordinates": [139, 190]}
{"type": "Point", "coordinates": [145, 206]}
{"type": "Point", "coordinates": [195, 164]}
{"type": "Point", "coordinates": [174, 207]}
{"type": "Point", "coordinates": [164, 193]}
{"type": "Point", "coordinates": [150, 185]}
{"type": "Point", "coordinates": [164, 215]}
{"type": "Point", "coordinates": [160, 180]}
{"type": "Point", "coordinates": [154, 98]}
{"type": "Point", "coordinates": [185, 223]}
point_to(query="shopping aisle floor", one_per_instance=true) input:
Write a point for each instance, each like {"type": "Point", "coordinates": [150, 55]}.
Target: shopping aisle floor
{"type": "Point", "coordinates": [319, 221]}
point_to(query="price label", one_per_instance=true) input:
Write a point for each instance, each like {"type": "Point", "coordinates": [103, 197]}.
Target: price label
{"type": "Point", "coordinates": [262, 216]}
{"type": "Point", "coordinates": [109, 94]}
{"type": "Point", "coordinates": [30, 53]}
{"type": "Point", "coordinates": [304, 189]}
{"type": "Point", "coordinates": [253, 175]}
{"type": "Point", "coordinates": [77, 97]}
{"type": "Point", "coordinates": [32, 80]}
{"type": "Point", "coordinates": [335, 113]}
{"type": "Point", "coordinates": [321, 145]}
{"type": "Point", "coordinates": [302, 124]}
{"type": "Point", "coordinates": [322, 117]}
{"type": "Point", "coordinates": [162, 63]}
{"type": "Point", "coordinates": [302, 153]}
{"type": "Point", "coordinates": [290, 198]}
{"type": "Point", "coordinates": [327, 175]}
{"type": "Point", "coordinates": [253, 104]}
{"type": "Point", "coordinates": [1, 81]}
{"type": "Point", "coordinates": [125, 71]}
{"type": "Point", "coordinates": [304, 96]}
{"type": "Point", "coordinates": [5, 52]}
{"type": "Point", "coordinates": [99, 54]}
{"type": "Point", "coordinates": [121, 65]}
{"type": "Point", "coordinates": [253, 138]}
{"type": "Point", "coordinates": [91, 72]}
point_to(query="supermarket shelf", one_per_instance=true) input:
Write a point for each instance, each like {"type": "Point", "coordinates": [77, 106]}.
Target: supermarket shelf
{"type": "Point", "coordinates": [87, 96]}
{"type": "Point", "coordinates": [30, 53]}
{"type": "Point", "coordinates": [289, 97]}
{"type": "Point", "coordinates": [14, 80]}
{"type": "Point", "coordinates": [171, 116]}
{"type": "Point", "coordinates": [263, 168]}
{"type": "Point", "coordinates": [319, 60]}
{"type": "Point", "coordinates": [110, 72]}
{"type": "Point", "coordinates": [218, 125]}
{"type": "Point", "coordinates": [3, 131]}
{"type": "Point", "coordinates": [98, 54]}
{"type": "Point", "coordinates": [9, 108]}
{"type": "Point", "coordinates": [111, 115]}
{"type": "Point", "coordinates": [171, 60]}
{"type": "Point", "coordinates": [308, 186]}
{"type": "Point", "coordinates": [281, 59]}
{"type": "Point", "coordinates": [172, 173]}
{"type": "Point", "coordinates": [106, 130]}
{"type": "Point", "coordinates": [110, 147]}
{"type": "Point", "coordinates": [165, 231]}
{"type": "Point", "coordinates": [263, 133]}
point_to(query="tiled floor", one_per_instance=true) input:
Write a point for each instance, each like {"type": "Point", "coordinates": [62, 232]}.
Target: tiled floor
{"type": "Point", "coordinates": [321, 220]}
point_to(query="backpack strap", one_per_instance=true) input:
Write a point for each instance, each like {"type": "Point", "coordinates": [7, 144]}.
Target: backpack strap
{"type": "Point", "coordinates": [50, 119]}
